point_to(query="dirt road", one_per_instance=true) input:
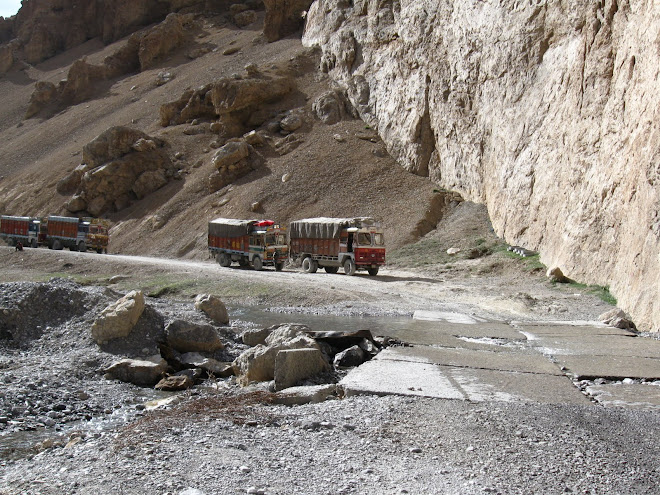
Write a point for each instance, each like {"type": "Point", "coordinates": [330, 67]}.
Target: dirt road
{"type": "Point", "coordinates": [499, 297]}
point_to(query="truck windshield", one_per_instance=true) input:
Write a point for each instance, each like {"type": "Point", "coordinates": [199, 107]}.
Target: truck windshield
{"type": "Point", "coordinates": [275, 240]}
{"type": "Point", "coordinates": [379, 240]}
{"type": "Point", "coordinates": [364, 239]}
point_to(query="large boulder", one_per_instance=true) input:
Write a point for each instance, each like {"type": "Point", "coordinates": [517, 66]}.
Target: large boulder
{"type": "Point", "coordinates": [258, 363]}
{"type": "Point", "coordinates": [213, 307]}
{"type": "Point", "coordinates": [294, 365]}
{"type": "Point", "coordinates": [211, 366]}
{"type": "Point", "coordinates": [118, 319]}
{"type": "Point", "coordinates": [184, 336]}
{"type": "Point", "coordinates": [142, 372]}
{"type": "Point", "coordinates": [233, 161]}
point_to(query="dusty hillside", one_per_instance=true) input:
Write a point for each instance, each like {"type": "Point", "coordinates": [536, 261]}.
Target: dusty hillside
{"type": "Point", "coordinates": [340, 169]}
{"type": "Point", "coordinates": [545, 112]}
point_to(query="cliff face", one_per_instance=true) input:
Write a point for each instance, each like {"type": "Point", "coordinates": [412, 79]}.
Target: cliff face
{"type": "Point", "coordinates": [546, 111]}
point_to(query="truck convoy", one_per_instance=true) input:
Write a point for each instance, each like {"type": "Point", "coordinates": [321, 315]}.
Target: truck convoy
{"type": "Point", "coordinates": [249, 242]}
{"type": "Point", "coordinates": [56, 232]}
{"type": "Point", "coordinates": [330, 243]}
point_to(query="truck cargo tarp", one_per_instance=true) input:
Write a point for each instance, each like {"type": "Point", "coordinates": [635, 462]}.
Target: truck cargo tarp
{"type": "Point", "coordinates": [230, 227]}
{"type": "Point", "coordinates": [325, 228]}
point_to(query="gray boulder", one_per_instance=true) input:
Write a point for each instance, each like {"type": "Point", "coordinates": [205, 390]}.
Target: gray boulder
{"type": "Point", "coordinates": [184, 336]}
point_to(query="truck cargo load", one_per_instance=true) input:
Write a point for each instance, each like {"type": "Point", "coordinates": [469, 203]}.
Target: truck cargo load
{"type": "Point", "coordinates": [354, 243]}
{"type": "Point", "coordinates": [257, 243]}
{"type": "Point", "coordinates": [325, 228]}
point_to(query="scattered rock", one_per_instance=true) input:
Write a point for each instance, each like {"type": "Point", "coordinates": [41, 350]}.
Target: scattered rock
{"type": "Point", "coordinates": [184, 336]}
{"type": "Point", "coordinates": [295, 396]}
{"type": "Point", "coordinates": [163, 78]}
{"type": "Point", "coordinates": [176, 382]}
{"type": "Point", "coordinates": [213, 307]}
{"type": "Point", "coordinates": [453, 250]}
{"type": "Point", "coordinates": [144, 373]}
{"type": "Point", "coordinates": [291, 122]}
{"type": "Point", "coordinates": [617, 318]}
{"type": "Point", "coordinates": [555, 274]}
{"type": "Point", "coordinates": [353, 356]}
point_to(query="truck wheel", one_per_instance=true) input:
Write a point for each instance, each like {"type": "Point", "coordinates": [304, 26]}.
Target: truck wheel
{"type": "Point", "coordinates": [373, 271]}
{"type": "Point", "coordinates": [331, 269]}
{"type": "Point", "coordinates": [33, 243]}
{"type": "Point", "coordinates": [349, 267]}
{"type": "Point", "coordinates": [82, 247]}
{"type": "Point", "coordinates": [224, 260]}
{"type": "Point", "coordinates": [309, 265]}
{"type": "Point", "coordinates": [279, 266]}
{"type": "Point", "coordinates": [57, 245]}
{"type": "Point", "coordinates": [99, 250]}
{"type": "Point", "coordinates": [257, 263]}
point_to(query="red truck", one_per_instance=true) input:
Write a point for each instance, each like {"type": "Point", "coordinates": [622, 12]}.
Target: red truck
{"type": "Point", "coordinates": [26, 230]}
{"type": "Point", "coordinates": [330, 243]}
{"type": "Point", "coordinates": [76, 234]}
{"type": "Point", "coordinates": [249, 242]}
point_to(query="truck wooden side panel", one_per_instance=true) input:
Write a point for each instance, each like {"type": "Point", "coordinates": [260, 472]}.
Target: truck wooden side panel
{"type": "Point", "coordinates": [63, 227]}
{"type": "Point", "coordinates": [14, 225]}
{"type": "Point", "coordinates": [232, 243]}
{"type": "Point", "coordinates": [320, 247]}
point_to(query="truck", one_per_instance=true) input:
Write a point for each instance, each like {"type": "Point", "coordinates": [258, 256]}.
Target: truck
{"type": "Point", "coordinates": [351, 243]}
{"type": "Point", "coordinates": [26, 230]}
{"type": "Point", "coordinates": [257, 243]}
{"type": "Point", "coordinates": [77, 234]}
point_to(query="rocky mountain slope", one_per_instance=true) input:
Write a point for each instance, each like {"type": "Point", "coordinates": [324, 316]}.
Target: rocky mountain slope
{"type": "Point", "coordinates": [545, 115]}
{"type": "Point", "coordinates": [544, 112]}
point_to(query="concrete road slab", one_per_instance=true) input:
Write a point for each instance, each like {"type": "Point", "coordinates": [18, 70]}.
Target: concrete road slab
{"type": "Point", "coordinates": [488, 385]}
{"type": "Point", "coordinates": [387, 377]}
{"type": "Point", "coordinates": [528, 362]}
{"type": "Point", "coordinates": [566, 329]}
{"type": "Point", "coordinates": [430, 332]}
{"type": "Point", "coordinates": [608, 345]}
{"type": "Point", "coordinates": [392, 377]}
{"type": "Point", "coordinates": [633, 395]}
{"type": "Point", "coordinates": [590, 367]}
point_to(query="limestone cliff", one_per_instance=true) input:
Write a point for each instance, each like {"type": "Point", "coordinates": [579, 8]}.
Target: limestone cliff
{"type": "Point", "coordinates": [546, 111]}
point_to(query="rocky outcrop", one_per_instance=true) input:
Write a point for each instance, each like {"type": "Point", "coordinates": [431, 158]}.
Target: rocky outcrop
{"type": "Point", "coordinates": [120, 166]}
{"type": "Point", "coordinates": [140, 52]}
{"type": "Point", "coordinates": [284, 17]}
{"type": "Point", "coordinates": [543, 113]}
{"type": "Point", "coordinates": [234, 101]}
{"type": "Point", "coordinates": [47, 27]}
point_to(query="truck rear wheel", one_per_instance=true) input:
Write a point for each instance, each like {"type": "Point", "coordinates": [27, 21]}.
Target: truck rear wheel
{"type": "Point", "coordinates": [82, 247]}
{"type": "Point", "coordinates": [223, 259]}
{"type": "Point", "coordinates": [33, 243]}
{"type": "Point", "coordinates": [57, 245]}
{"type": "Point", "coordinates": [279, 266]}
{"type": "Point", "coordinates": [373, 271]}
{"type": "Point", "coordinates": [309, 265]}
{"type": "Point", "coordinates": [257, 263]}
{"type": "Point", "coordinates": [331, 269]}
{"type": "Point", "coordinates": [349, 267]}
